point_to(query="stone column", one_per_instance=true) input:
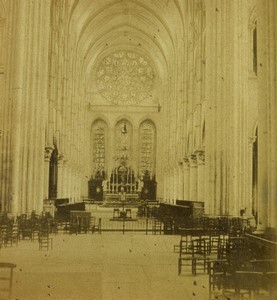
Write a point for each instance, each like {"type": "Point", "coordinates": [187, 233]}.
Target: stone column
{"type": "Point", "coordinates": [171, 185]}
{"type": "Point", "coordinates": [180, 181]}
{"type": "Point", "coordinates": [47, 155]}
{"type": "Point", "coordinates": [176, 183]}
{"type": "Point", "coordinates": [193, 177]}
{"type": "Point", "coordinates": [186, 179]}
{"type": "Point", "coordinates": [68, 180]}
{"type": "Point", "coordinates": [60, 176]}
{"type": "Point", "coordinates": [226, 94]}
{"type": "Point", "coordinates": [135, 145]}
{"type": "Point", "coordinates": [267, 111]}
{"type": "Point", "coordinates": [167, 184]}
{"type": "Point", "coordinates": [201, 196]}
{"type": "Point", "coordinates": [251, 198]}
{"type": "Point", "coordinates": [64, 179]}
{"type": "Point", "coordinates": [16, 96]}
{"type": "Point", "coordinates": [167, 187]}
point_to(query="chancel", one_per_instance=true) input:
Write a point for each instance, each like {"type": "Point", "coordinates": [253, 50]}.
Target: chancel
{"type": "Point", "coordinates": [138, 138]}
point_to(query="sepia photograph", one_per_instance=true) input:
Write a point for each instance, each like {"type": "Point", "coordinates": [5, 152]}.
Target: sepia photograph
{"type": "Point", "coordinates": [138, 149]}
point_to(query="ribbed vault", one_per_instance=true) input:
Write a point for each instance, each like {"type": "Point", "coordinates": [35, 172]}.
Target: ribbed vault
{"type": "Point", "coordinates": [103, 27]}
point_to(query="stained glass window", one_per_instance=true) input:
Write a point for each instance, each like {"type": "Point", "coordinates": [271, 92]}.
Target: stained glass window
{"type": "Point", "coordinates": [99, 145]}
{"type": "Point", "coordinates": [123, 142]}
{"type": "Point", "coordinates": [147, 148]}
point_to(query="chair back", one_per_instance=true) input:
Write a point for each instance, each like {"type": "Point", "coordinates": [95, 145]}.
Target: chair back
{"type": "Point", "coordinates": [6, 279]}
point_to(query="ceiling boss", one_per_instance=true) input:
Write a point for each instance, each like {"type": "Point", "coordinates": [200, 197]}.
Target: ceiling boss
{"type": "Point", "coordinates": [125, 78]}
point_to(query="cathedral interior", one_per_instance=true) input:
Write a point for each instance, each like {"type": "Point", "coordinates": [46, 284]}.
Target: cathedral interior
{"type": "Point", "coordinates": [154, 120]}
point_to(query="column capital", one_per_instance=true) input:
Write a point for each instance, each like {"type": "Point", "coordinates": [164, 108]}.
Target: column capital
{"type": "Point", "coordinates": [186, 162]}
{"type": "Point", "coordinates": [252, 140]}
{"type": "Point", "coordinates": [61, 159]}
{"type": "Point", "coordinates": [47, 153]}
{"type": "Point", "coordinates": [180, 163]}
{"type": "Point", "coordinates": [200, 157]}
{"type": "Point", "coordinates": [193, 161]}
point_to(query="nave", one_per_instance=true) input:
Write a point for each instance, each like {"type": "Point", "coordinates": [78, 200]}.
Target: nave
{"type": "Point", "coordinates": [102, 267]}
{"type": "Point", "coordinates": [109, 105]}
{"type": "Point", "coordinates": [99, 253]}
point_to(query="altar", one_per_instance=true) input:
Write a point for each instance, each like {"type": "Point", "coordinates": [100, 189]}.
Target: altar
{"type": "Point", "coordinates": [121, 199]}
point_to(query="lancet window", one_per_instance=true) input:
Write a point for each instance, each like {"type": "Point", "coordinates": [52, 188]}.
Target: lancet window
{"type": "Point", "coordinates": [147, 148]}
{"type": "Point", "coordinates": [99, 133]}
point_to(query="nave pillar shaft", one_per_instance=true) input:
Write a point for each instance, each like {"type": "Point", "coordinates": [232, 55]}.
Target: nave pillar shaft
{"type": "Point", "coordinates": [186, 179]}
{"type": "Point", "coordinates": [267, 111]}
{"type": "Point", "coordinates": [176, 183]}
{"type": "Point", "coordinates": [180, 195]}
{"type": "Point", "coordinates": [226, 116]}
{"type": "Point", "coordinates": [64, 179]}
{"type": "Point", "coordinates": [171, 185]}
{"type": "Point", "coordinates": [47, 156]}
{"type": "Point", "coordinates": [201, 176]}
{"type": "Point", "coordinates": [167, 184]}
{"type": "Point", "coordinates": [60, 176]}
{"type": "Point", "coordinates": [17, 105]}
{"type": "Point", "coordinates": [27, 63]}
{"type": "Point", "coordinates": [193, 178]}
{"type": "Point", "coordinates": [251, 200]}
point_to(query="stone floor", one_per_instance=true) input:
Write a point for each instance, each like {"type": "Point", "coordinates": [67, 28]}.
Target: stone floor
{"type": "Point", "coordinates": [109, 266]}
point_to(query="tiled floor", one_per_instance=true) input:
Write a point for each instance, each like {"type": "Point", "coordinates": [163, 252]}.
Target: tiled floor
{"type": "Point", "coordinates": [110, 266]}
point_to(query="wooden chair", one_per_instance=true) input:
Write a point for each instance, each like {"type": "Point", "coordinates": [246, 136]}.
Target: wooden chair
{"type": "Point", "coordinates": [74, 226]}
{"type": "Point", "coordinates": [6, 276]}
{"type": "Point", "coordinates": [84, 224]}
{"type": "Point", "coordinates": [168, 225]}
{"type": "Point", "coordinates": [238, 253]}
{"type": "Point", "coordinates": [45, 241]}
{"type": "Point", "coordinates": [128, 213]}
{"type": "Point", "coordinates": [191, 256]}
{"type": "Point", "coordinates": [65, 226]}
{"type": "Point", "coordinates": [270, 284]}
{"type": "Point", "coordinates": [247, 283]}
{"type": "Point", "coordinates": [116, 213]}
{"type": "Point", "coordinates": [185, 255]}
{"type": "Point", "coordinates": [185, 242]}
{"type": "Point", "coordinates": [95, 227]}
{"type": "Point", "coordinates": [3, 234]}
{"type": "Point", "coordinates": [200, 255]}
{"type": "Point", "coordinates": [26, 229]}
{"type": "Point", "coordinates": [15, 233]}
{"type": "Point", "coordinates": [157, 227]}
{"type": "Point", "coordinates": [184, 248]}
{"type": "Point", "coordinates": [8, 240]}
{"type": "Point", "coordinates": [35, 229]}
{"type": "Point", "coordinates": [222, 247]}
{"type": "Point", "coordinates": [217, 276]}
{"type": "Point", "coordinates": [54, 227]}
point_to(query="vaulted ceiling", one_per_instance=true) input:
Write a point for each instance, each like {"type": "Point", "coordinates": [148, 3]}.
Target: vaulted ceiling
{"type": "Point", "coordinates": [152, 29]}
